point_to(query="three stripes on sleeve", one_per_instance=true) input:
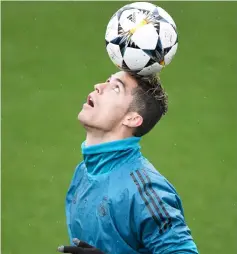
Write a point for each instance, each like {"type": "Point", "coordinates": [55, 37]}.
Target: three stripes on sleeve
{"type": "Point", "coordinates": [152, 200]}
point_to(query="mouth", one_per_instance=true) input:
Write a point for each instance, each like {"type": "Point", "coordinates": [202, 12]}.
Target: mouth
{"type": "Point", "coordinates": [90, 101]}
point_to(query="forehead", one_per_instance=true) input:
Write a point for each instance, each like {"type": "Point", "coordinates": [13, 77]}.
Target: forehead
{"type": "Point", "coordinates": [127, 79]}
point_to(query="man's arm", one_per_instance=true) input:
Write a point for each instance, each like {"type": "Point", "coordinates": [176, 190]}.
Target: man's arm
{"type": "Point", "coordinates": [159, 216]}
{"type": "Point", "coordinates": [74, 183]}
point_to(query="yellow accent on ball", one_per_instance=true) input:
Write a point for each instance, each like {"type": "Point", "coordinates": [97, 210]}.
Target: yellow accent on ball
{"type": "Point", "coordinates": [142, 23]}
{"type": "Point", "coordinates": [162, 63]}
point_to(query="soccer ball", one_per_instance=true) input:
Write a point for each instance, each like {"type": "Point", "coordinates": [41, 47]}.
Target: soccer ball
{"type": "Point", "coordinates": [141, 38]}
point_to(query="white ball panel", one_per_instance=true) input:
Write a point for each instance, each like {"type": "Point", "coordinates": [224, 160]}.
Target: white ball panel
{"type": "Point", "coordinates": [115, 54]}
{"type": "Point", "coordinates": [168, 36]}
{"type": "Point", "coordinates": [112, 29]}
{"type": "Point", "coordinates": [144, 6]}
{"type": "Point", "coordinates": [169, 56]}
{"type": "Point", "coordinates": [166, 16]}
{"type": "Point", "coordinates": [130, 19]}
{"type": "Point", "coordinates": [145, 37]}
{"type": "Point", "coordinates": [152, 69]}
{"type": "Point", "coordinates": [135, 59]}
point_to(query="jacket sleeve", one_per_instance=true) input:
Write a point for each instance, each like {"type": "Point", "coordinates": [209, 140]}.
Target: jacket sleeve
{"type": "Point", "coordinates": [158, 216]}
{"type": "Point", "coordinates": [69, 197]}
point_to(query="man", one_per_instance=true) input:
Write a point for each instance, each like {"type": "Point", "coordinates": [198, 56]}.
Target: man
{"type": "Point", "coordinates": [118, 202]}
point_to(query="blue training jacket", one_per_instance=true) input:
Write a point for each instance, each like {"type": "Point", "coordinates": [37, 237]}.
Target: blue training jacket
{"type": "Point", "coordinates": [118, 202]}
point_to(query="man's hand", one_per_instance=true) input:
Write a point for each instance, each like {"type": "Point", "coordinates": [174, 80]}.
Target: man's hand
{"type": "Point", "coordinates": [80, 248]}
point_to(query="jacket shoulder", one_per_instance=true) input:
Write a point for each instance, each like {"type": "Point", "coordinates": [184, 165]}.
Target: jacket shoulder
{"type": "Point", "coordinates": [146, 179]}
{"type": "Point", "coordinates": [151, 173]}
{"type": "Point", "coordinates": [139, 175]}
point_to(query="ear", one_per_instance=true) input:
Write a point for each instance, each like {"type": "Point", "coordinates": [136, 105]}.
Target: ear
{"type": "Point", "coordinates": [132, 120]}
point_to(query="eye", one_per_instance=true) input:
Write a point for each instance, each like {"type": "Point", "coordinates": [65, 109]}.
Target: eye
{"type": "Point", "coordinates": [116, 89]}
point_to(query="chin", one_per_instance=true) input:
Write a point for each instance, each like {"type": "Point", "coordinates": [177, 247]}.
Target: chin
{"type": "Point", "coordinates": [84, 119]}
{"type": "Point", "coordinates": [81, 116]}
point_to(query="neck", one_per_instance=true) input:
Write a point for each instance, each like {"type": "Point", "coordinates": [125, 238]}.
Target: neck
{"type": "Point", "coordinates": [96, 137]}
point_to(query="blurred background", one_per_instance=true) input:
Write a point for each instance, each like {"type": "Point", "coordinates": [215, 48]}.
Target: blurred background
{"type": "Point", "coordinates": [52, 55]}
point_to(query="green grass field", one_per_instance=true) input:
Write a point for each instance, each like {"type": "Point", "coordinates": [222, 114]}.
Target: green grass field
{"type": "Point", "coordinates": [52, 55]}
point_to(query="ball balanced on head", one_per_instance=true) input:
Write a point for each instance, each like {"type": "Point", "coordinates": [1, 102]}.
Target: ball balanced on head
{"type": "Point", "coordinates": [141, 38]}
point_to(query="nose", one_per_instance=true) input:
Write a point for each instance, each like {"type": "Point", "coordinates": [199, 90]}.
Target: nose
{"type": "Point", "coordinates": [99, 88]}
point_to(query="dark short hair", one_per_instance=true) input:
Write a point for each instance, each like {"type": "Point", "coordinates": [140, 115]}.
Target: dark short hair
{"type": "Point", "coordinates": [150, 101]}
